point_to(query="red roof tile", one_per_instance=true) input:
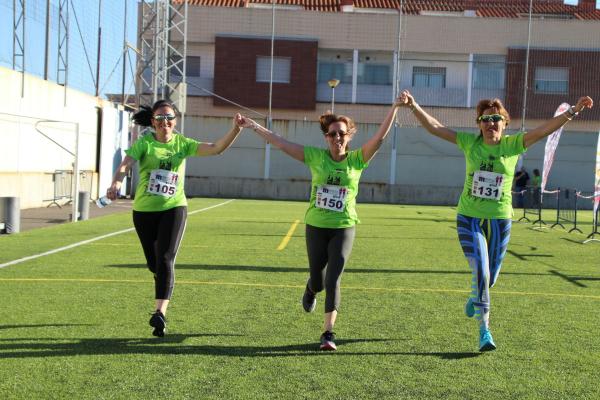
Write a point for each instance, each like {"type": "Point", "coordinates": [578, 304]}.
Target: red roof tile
{"type": "Point", "coordinates": [483, 8]}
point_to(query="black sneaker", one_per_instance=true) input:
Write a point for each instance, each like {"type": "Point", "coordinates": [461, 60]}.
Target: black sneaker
{"type": "Point", "coordinates": [327, 341]}
{"type": "Point", "coordinates": [309, 300]}
{"type": "Point", "coordinates": [159, 323]}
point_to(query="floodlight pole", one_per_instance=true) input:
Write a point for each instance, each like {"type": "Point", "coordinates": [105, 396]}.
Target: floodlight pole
{"type": "Point", "coordinates": [332, 84]}
{"type": "Point", "coordinates": [525, 83]}
{"type": "Point", "coordinates": [267, 166]}
{"type": "Point", "coordinates": [395, 93]}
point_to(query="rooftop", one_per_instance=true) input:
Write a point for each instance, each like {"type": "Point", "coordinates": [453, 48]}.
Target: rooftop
{"type": "Point", "coordinates": [586, 10]}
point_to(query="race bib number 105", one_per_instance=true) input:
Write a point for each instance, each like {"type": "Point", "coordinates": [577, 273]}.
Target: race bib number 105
{"type": "Point", "coordinates": [487, 185]}
{"type": "Point", "coordinates": [163, 183]}
{"type": "Point", "coordinates": [331, 197]}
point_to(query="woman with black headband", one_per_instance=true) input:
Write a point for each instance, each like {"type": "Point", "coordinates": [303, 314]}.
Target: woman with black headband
{"type": "Point", "coordinates": [160, 205]}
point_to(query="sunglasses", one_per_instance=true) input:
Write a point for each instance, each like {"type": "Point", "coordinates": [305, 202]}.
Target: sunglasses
{"type": "Point", "coordinates": [335, 133]}
{"type": "Point", "coordinates": [165, 117]}
{"type": "Point", "coordinates": [491, 118]}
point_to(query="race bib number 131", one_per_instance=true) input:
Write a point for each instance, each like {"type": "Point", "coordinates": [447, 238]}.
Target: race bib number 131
{"type": "Point", "coordinates": [487, 185]}
{"type": "Point", "coordinates": [331, 197]}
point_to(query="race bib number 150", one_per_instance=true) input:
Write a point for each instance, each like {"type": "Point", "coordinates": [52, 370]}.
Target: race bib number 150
{"type": "Point", "coordinates": [163, 183]}
{"type": "Point", "coordinates": [331, 197]}
{"type": "Point", "coordinates": [487, 185]}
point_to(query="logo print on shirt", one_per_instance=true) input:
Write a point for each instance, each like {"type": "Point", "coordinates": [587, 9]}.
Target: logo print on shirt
{"type": "Point", "coordinates": [165, 164]}
{"type": "Point", "coordinates": [483, 166]}
{"type": "Point", "coordinates": [333, 180]}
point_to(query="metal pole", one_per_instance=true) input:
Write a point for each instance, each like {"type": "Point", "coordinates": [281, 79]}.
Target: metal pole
{"type": "Point", "coordinates": [47, 48]}
{"type": "Point", "coordinates": [333, 100]}
{"type": "Point", "coordinates": [269, 117]}
{"type": "Point", "coordinates": [24, 47]}
{"type": "Point", "coordinates": [75, 183]}
{"type": "Point", "coordinates": [395, 92]}
{"type": "Point", "coordinates": [525, 83]}
{"type": "Point", "coordinates": [99, 48]}
{"type": "Point", "coordinates": [124, 53]}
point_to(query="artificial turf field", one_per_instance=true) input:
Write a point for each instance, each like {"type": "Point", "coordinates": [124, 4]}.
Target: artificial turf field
{"type": "Point", "coordinates": [75, 322]}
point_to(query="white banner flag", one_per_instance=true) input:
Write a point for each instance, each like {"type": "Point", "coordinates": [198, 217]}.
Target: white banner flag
{"type": "Point", "coordinates": [597, 183]}
{"type": "Point", "coordinates": [571, 2]}
{"type": "Point", "coordinates": [551, 144]}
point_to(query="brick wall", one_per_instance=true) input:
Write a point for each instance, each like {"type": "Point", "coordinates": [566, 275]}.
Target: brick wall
{"type": "Point", "coordinates": [584, 79]}
{"type": "Point", "coordinates": [235, 72]}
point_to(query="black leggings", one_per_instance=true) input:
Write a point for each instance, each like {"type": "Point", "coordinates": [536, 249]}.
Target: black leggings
{"type": "Point", "coordinates": [160, 233]}
{"type": "Point", "coordinates": [328, 250]}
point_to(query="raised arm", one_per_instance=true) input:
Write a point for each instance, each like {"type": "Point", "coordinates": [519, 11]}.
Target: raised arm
{"type": "Point", "coordinates": [113, 191]}
{"type": "Point", "coordinates": [218, 147]}
{"type": "Point", "coordinates": [431, 124]}
{"type": "Point", "coordinates": [553, 124]}
{"type": "Point", "coordinates": [292, 149]}
{"type": "Point", "coordinates": [374, 143]}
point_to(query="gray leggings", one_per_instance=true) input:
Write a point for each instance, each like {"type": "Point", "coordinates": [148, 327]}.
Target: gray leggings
{"type": "Point", "coordinates": [328, 250]}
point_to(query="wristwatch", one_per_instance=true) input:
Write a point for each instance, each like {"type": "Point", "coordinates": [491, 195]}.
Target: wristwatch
{"type": "Point", "coordinates": [572, 112]}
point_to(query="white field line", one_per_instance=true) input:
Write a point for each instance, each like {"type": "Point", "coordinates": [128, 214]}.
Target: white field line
{"type": "Point", "coordinates": [47, 253]}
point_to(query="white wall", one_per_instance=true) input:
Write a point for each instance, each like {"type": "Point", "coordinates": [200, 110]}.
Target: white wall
{"type": "Point", "coordinates": [28, 158]}
{"type": "Point", "coordinates": [431, 169]}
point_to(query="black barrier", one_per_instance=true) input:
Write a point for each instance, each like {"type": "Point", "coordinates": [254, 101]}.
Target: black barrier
{"type": "Point", "coordinates": [592, 236]}
{"type": "Point", "coordinates": [566, 208]}
{"type": "Point", "coordinates": [530, 198]}
{"type": "Point", "coordinates": [591, 196]}
{"type": "Point", "coordinates": [566, 202]}
{"type": "Point", "coordinates": [575, 207]}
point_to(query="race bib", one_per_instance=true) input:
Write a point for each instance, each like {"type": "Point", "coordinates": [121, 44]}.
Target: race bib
{"type": "Point", "coordinates": [331, 197]}
{"type": "Point", "coordinates": [487, 185]}
{"type": "Point", "coordinates": [163, 182]}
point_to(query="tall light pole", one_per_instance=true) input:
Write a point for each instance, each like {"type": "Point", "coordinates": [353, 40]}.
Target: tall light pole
{"type": "Point", "coordinates": [332, 84]}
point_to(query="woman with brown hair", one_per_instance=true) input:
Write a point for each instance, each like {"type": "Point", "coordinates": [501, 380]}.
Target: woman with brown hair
{"type": "Point", "coordinates": [331, 216]}
{"type": "Point", "coordinates": [485, 205]}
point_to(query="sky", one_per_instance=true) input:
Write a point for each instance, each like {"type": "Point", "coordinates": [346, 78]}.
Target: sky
{"type": "Point", "coordinates": [84, 18]}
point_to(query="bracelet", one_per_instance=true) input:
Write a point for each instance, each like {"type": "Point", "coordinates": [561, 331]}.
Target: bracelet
{"type": "Point", "coordinates": [412, 106]}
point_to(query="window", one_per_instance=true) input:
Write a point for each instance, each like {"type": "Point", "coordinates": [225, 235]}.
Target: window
{"type": "Point", "coordinates": [281, 69]}
{"type": "Point", "coordinates": [429, 77]}
{"type": "Point", "coordinates": [488, 72]}
{"type": "Point", "coordinates": [551, 80]}
{"type": "Point", "coordinates": [335, 70]}
{"type": "Point", "coordinates": [374, 74]}
{"type": "Point", "coordinates": [192, 66]}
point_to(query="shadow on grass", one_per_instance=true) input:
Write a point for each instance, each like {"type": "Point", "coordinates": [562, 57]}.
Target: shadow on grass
{"type": "Point", "coordinates": [575, 280]}
{"type": "Point", "coordinates": [573, 240]}
{"type": "Point", "coordinates": [349, 270]}
{"type": "Point", "coordinates": [441, 219]}
{"type": "Point", "coordinates": [40, 326]}
{"type": "Point", "coordinates": [173, 344]}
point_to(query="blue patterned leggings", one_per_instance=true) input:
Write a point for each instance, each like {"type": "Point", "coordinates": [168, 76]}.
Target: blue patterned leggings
{"type": "Point", "coordinates": [484, 243]}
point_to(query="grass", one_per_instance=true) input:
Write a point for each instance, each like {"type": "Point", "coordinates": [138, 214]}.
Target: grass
{"type": "Point", "coordinates": [75, 322]}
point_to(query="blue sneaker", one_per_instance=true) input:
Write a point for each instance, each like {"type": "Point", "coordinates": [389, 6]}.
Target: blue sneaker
{"type": "Point", "coordinates": [469, 308]}
{"type": "Point", "coordinates": [486, 341]}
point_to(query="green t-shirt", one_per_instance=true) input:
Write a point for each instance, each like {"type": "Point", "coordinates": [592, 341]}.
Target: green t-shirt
{"type": "Point", "coordinates": [334, 186]}
{"type": "Point", "coordinates": [499, 159]}
{"type": "Point", "coordinates": [537, 181]}
{"type": "Point", "coordinates": [164, 164]}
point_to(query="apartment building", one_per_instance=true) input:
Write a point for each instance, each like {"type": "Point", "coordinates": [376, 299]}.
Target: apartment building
{"type": "Point", "coordinates": [448, 53]}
